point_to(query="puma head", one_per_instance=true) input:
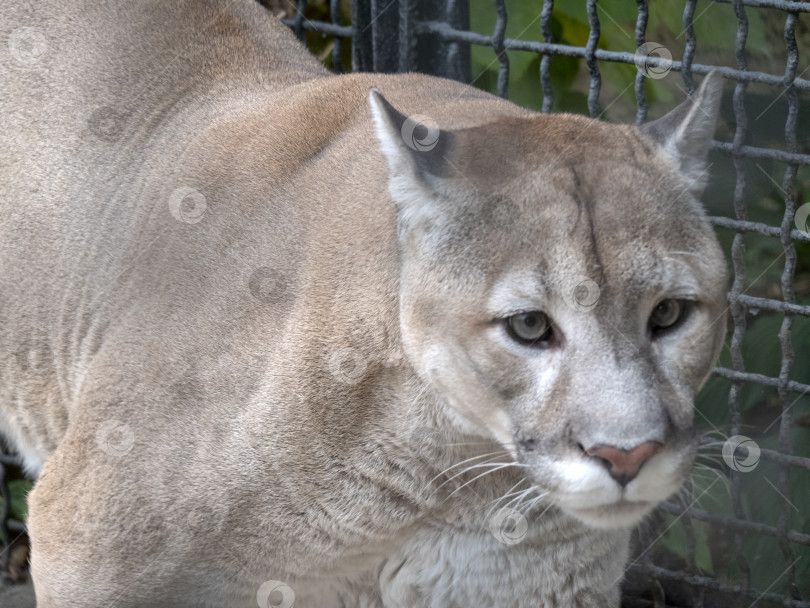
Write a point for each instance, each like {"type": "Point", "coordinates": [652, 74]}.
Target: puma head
{"type": "Point", "coordinates": [563, 292]}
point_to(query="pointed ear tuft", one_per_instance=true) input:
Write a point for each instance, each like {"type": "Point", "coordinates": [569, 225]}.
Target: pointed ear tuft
{"type": "Point", "coordinates": [687, 131]}
{"type": "Point", "coordinates": [414, 146]}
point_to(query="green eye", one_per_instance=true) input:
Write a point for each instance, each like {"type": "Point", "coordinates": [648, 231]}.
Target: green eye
{"type": "Point", "coordinates": [666, 315]}
{"type": "Point", "coordinates": [529, 327]}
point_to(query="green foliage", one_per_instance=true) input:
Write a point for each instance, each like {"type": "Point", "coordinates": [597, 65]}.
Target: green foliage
{"type": "Point", "coordinates": [18, 492]}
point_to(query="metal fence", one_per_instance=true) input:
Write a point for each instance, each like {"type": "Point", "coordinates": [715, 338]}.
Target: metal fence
{"type": "Point", "coordinates": [10, 530]}
{"type": "Point", "coordinates": [435, 38]}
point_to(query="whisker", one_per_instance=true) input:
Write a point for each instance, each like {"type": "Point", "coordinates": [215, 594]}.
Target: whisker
{"type": "Point", "coordinates": [490, 463]}
{"type": "Point", "coordinates": [451, 467]}
{"type": "Point", "coordinates": [499, 467]}
{"type": "Point", "coordinates": [519, 498]}
{"type": "Point", "coordinates": [720, 476]}
{"type": "Point", "coordinates": [531, 502]}
{"type": "Point", "coordinates": [699, 466]}
{"type": "Point", "coordinates": [477, 466]}
{"type": "Point", "coordinates": [448, 445]}
{"type": "Point", "coordinates": [713, 458]}
{"type": "Point", "coordinates": [711, 433]}
{"type": "Point", "coordinates": [509, 492]}
{"type": "Point", "coordinates": [551, 504]}
{"type": "Point", "coordinates": [711, 445]}
{"type": "Point", "coordinates": [497, 502]}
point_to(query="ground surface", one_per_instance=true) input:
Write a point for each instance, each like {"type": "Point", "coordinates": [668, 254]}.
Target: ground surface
{"type": "Point", "coordinates": [17, 595]}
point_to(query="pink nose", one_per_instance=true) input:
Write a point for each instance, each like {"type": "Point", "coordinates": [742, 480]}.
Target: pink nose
{"type": "Point", "coordinates": [623, 465]}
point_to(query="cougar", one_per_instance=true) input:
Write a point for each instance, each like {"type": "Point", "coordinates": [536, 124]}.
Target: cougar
{"type": "Point", "coordinates": [275, 336]}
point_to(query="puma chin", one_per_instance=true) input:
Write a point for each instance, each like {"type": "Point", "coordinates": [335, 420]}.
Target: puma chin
{"type": "Point", "coordinates": [586, 491]}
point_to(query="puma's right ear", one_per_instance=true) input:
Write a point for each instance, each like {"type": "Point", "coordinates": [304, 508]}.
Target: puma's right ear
{"type": "Point", "coordinates": [687, 131]}
{"type": "Point", "coordinates": [416, 150]}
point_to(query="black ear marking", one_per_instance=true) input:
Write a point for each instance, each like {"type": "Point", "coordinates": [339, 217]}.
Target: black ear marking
{"type": "Point", "coordinates": [417, 138]}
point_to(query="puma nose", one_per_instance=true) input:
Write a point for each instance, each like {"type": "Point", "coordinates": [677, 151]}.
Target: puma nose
{"type": "Point", "coordinates": [623, 465]}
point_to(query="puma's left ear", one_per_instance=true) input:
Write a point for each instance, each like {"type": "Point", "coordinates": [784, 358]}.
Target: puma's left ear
{"type": "Point", "coordinates": [686, 132]}
{"type": "Point", "coordinates": [416, 149]}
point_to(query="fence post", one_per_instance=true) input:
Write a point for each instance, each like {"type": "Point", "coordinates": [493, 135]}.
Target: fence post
{"type": "Point", "coordinates": [388, 38]}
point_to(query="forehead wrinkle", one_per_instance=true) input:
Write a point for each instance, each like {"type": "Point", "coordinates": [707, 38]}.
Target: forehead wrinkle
{"type": "Point", "coordinates": [583, 198]}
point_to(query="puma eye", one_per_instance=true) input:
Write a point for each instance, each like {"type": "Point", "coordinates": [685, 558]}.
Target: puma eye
{"type": "Point", "coordinates": [529, 327]}
{"type": "Point", "coordinates": [667, 315]}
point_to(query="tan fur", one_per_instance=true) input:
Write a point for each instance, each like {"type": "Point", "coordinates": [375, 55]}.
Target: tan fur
{"type": "Point", "coordinates": [277, 386]}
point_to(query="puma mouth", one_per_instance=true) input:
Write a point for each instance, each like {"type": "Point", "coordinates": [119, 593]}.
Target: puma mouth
{"type": "Point", "coordinates": [620, 514]}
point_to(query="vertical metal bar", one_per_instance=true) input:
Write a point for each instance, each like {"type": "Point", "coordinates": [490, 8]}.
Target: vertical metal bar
{"type": "Point", "coordinates": [500, 50]}
{"type": "Point", "coordinates": [384, 29]}
{"type": "Point", "coordinates": [691, 44]}
{"type": "Point", "coordinates": [738, 262]}
{"type": "Point", "coordinates": [457, 14]}
{"type": "Point", "coordinates": [337, 50]}
{"type": "Point", "coordinates": [362, 43]}
{"type": "Point", "coordinates": [641, 33]}
{"type": "Point", "coordinates": [590, 59]}
{"type": "Point", "coordinates": [408, 38]}
{"type": "Point", "coordinates": [5, 498]}
{"type": "Point", "coordinates": [298, 28]}
{"type": "Point", "coordinates": [429, 53]}
{"type": "Point", "coordinates": [788, 272]}
{"type": "Point", "coordinates": [545, 62]}
{"type": "Point", "coordinates": [691, 547]}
